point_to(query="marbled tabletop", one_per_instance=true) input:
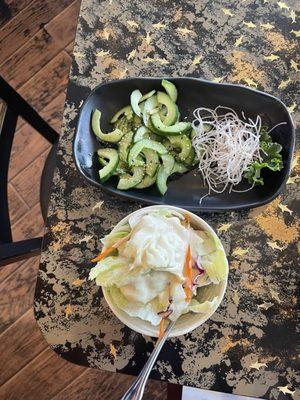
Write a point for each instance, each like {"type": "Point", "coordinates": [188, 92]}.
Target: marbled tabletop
{"type": "Point", "coordinates": [248, 347]}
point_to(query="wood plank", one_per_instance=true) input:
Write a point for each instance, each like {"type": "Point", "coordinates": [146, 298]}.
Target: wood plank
{"type": "Point", "coordinates": [30, 225]}
{"type": "Point", "coordinates": [10, 8]}
{"type": "Point", "coordinates": [41, 379]}
{"type": "Point", "coordinates": [41, 48]}
{"type": "Point", "coordinates": [48, 83]}
{"type": "Point", "coordinates": [17, 292]}
{"type": "Point", "coordinates": [19, 344]}
{"type": "Point", "coordinates": [69, 48]}
{"type": "Point", "coordinates": [27, 146]}
{"type": "Point", "coordinates": [52, 113]}
{"type": "Point", "coordinates": [29, 21]}
{"type": "Point", "coordinates": [9, 269]}
{"type": "Point", "coordinates": [95, 385]}
{"type": "Point", "coordinates": [27, 183]}
{"type": "Point", "coordinates": [17, 206]}
{"type": "Point", "coordinates": [62, 28]}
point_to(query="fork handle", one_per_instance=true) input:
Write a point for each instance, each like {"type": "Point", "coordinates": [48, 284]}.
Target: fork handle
{"type": "Point", "coordinates": [136, 390]}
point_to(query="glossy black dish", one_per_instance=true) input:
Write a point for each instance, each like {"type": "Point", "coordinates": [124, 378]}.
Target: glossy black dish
{"type": "Point", "coordinates": [186, 190]}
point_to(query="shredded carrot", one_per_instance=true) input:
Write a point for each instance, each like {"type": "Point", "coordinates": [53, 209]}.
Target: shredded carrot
{"type": "Point", "coordinates": [187, 220]}
{"type": "Point", "coordinates": [103, 254]}
{"type": "Point", "coordinates": [161, 328]}
{"type": "Point", "coordinates": [110, 249]}
{"type": "Point", "coordinates": [188, 274]}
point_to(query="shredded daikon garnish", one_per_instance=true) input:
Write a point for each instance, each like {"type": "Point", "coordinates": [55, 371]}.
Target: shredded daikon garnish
{"type": "Point", "coordinates": [225, 146]}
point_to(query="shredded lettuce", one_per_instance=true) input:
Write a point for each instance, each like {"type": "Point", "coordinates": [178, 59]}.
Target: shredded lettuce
{"type": "Point", "coordinates": [204, 307]}
{"type": "Point", "coordinates": [163, 212]}
{"type": "Point", "coordinates": [215, 265]}
{"type": "Point", "coordinates": [145, 287]}
{"type": "Point", "coordinates": [147, 312]}
{"type": "Point", "coordinates": [201, 243]}
{"type": "Point", "coordinates": [112, 271]}
{"type": "Point", "coordinates": [146, 276]}
{"type": "Point", "coordinates": [114, 236]}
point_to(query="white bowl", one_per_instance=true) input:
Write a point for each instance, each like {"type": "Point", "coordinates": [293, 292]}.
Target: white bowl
{"type": "Point", "coordinates": [187, 322]}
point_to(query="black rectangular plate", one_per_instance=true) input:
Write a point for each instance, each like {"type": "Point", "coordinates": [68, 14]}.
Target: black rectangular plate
{"type": "Point", "coordinates": [186, 190]}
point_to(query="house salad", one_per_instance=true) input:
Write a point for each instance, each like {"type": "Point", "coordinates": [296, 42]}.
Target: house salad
{"type": "Point", "coordinates": [157, 265]}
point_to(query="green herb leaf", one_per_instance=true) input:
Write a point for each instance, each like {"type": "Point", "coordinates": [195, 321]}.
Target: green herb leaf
{"type": "Point", "coordinates": [271, 158]}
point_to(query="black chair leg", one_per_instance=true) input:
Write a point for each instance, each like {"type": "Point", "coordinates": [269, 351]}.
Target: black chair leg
{"type": "Point", "coordinates": [17, 251]}
{"type": "Point", "coordinates": [7, 128]}
{"type": "Point", "coordinates": [21, 107]}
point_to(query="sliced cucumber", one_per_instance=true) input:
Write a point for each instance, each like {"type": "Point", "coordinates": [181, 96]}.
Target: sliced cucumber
{"type": "Point", "coordinates": [124, 145]}
{"type": "Point", "coordinates": [113, 160]}
{"type": "Point", "coordinates": [128, 181]}
{"type": "Point", "coordinates": [152, 161]}
{"type": "Point", "coordinates": [127, 111]}
{"type": "Point", "coordinates": [146, 182]}
{"type": "Point", "coordinates": [172, 110]}
{"type": "Point", "coordinates": [162, 129]}
{"type": "Point", "coordinates": [183, 143]}
{"type": "Point", "coordinates": [147, 95]}
{"type": "Point", "coordinates": [123, 124]}
{"type": "Point", "coordinates": [136, 122]}
{"type": "Point", "coordinates": [141, 133]}
{"type": "Point", "coordinates": [139, 161]}
{"type": "Point", "coordinates": [150, 104]}
{"type": "Point", "coordinates": [171, 89]}
{"type": "Point", "coordinates": [144, 144]}
{"type": "Point", "coordinates": [179, 168]}
{"type": "Point", "coordinates": [135, 98]}
{"type": "Point", "coordinates": [191, 158]}
{"type": "Point", "coordinates": [164, 171]}
{"type": "Point", "coordinates": [121, 168]}
{"type": "Point", "coordinates": [112, 137]}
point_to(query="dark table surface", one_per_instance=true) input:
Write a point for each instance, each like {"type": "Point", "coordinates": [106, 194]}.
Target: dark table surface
{"type": "Point", "coordinates": [249, 346]}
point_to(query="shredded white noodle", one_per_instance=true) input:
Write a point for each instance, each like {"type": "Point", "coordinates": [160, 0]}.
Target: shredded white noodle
{"type": "Point", "coordinates": [225, 146]}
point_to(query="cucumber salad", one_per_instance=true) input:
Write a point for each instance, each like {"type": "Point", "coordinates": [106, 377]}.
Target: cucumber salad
{"type": "Point", "coordinates": [148, 142]}
{"type": "Point", "coordinates": [158, 267]}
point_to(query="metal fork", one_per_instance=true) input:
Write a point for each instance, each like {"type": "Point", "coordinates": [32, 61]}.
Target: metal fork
{"type": "Point", "coordinates": [136, 390]}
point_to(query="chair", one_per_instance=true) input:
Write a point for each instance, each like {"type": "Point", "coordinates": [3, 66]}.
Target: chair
{"type": "Point", "coordinates": [12, 106]}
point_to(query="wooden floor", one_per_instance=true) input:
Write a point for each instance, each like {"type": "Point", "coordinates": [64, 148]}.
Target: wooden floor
{"type": "Point", "coordinates": [36, 40]}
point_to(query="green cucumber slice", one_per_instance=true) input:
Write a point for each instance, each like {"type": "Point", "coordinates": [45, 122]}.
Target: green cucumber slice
{"type": "Point", "coordinates": [173, 130]}
{"type": "Point", "coordinates": [111, 137]}
{"type": "Point", "coordinates": [183, 143]}
{"type": "Point", "coordinates": [135, 98]}
{"type": "Point", "coordinates": [124, 145]}
{"type": "Point", "coordinates": [150, 104]}
{"type": "Point", "coordinates": [179, 168]}
{"type": "Point", "coordinates": [152, 161]}
{"type": "Point", "coordinates": [144, 144]}
{"type": "Point", "coordinates": [191, 159]}
{"type": "Point", "coordinates": [141, 133]}
{"type": "Point", "coordinates": [136, 122]}
{"type": "Point", "coordinates": [121, 168]}
{"type": "Point", "coordinates": [164, 171]}
{"type": "Point", "coordinates": [128, 181]}
{"type": "Point", "coordinates": [123, 124]}
{"type": "Point", "coordinates": [139, 161]}
{"type": "Point", "coordinates": [146, 182]}
{"type": "Point", "coordinates": [113, 160]}
{"type": "Point", "coordinates": [172, 110]}
{"type": "Point", "coordinates": [171, 89]}
{"type": "Point", "coordinates": [147, 95]}
{"type": "Point", "coordinates": [127, 111]}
